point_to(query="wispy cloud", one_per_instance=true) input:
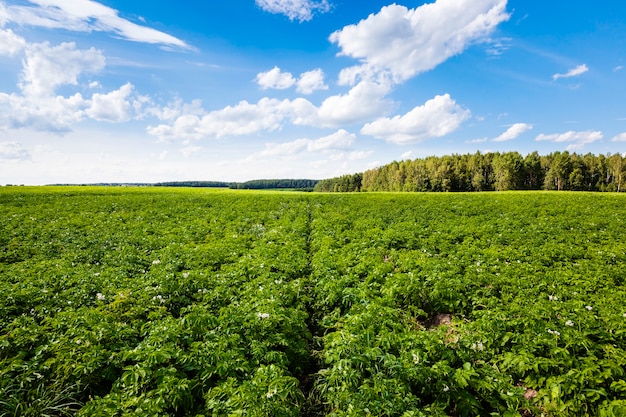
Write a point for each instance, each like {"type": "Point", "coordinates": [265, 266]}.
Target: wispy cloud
{"type": "Point", "coordinates": [301, 10]}
{"type": "Point", "coordinates": [187, 151]}
{"type": "Point", "coordinates": [498, 46]}
{"type": "Point", "coordinates": [513, 132]}
{"type": "Point", "coordinates": [84, 16]}
{"type": "Point", "coordinates": [576, 140]}
{"type": "Point", "coordinates": [13, 151]}
{"type": "Point", "coordinates": [619, 138]}
{"type": "Point", "coordinates": [574, 72]}
{"type": "Point", "coordinates": [478, 140]}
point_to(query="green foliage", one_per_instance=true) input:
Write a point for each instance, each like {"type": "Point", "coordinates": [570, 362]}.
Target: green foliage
{"type": "Point", "coordinates": [488, 172]}
{"type": "Point", "coordinates": [298, 184]}
{"type": "Point", "coordinates": [172, 302]}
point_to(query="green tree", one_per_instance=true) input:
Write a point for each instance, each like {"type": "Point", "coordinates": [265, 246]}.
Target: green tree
{"type": "Point", "coordinates": [508, 171]}
{"type": "Point", "coordinates": [558, 171]}
{"type": "Point", "coordinates": [535, 175]}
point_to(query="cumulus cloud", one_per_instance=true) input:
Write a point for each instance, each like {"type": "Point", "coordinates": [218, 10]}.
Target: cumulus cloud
{"type": "Point", "coordinates": [84, 16]}
{"type": "Point", "coordinates": [301, 10]}
{"type": "Point", "coordinates": [242, 119]}
{"type": "Point", "coordinates": [311, 81]}
{"type": "Point", "coordinates": [14, 151]}
{"type": "Point", "coordinates": [46, 67]}
{"type": "Point", "coordinates": [576, 140]}
{"type": "Point", "coordinates": [574, 72]}
{"type": "Point", "coordinates": [438, 117]}
{"type": "Point", "coordinates": [406, 42]}
{"type": "Point", "coordinates": [619, 138]}
{"type": "Point", "coordinates": [54, 114]}
{"type": "Point", "coordinates": [10, 43]}
{"type": "Point", "coordinates": [275, 78]}
{"type": "Point", "coordinates": [112, 107]}
{"type": "Point", "coordinates": [364, 101]}
{"type": "Point", "coordinates": [513, 132]}
{"type": "Point", "coordinates": [339, 140]}
{"type": "Point", "coordinates": [307, 83]}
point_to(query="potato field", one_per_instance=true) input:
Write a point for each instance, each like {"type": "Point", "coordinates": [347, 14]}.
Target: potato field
{"type": "Point", "coordinates": [194, 302]}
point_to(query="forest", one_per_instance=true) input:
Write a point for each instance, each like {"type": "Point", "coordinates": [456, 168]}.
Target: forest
{"type": "Point", "coordinates": [492, 171]}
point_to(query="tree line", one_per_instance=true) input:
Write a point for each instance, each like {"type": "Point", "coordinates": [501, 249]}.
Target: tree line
{"type": "Point", "coordinates": [492, 171]}
{"type": "Point", "coordinates": [295, 184]}
{"type": "Point", "coordinates": [269, 184]}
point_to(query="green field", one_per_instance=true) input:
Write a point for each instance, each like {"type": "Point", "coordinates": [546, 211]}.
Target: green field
{"type": "Point", "coordinates": [191, 302]}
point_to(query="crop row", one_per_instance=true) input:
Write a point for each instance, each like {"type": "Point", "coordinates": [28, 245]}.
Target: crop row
{"type": "Point", "coordinates": [146, 302]}
{"type": "Point", "coordinates": [470, 305]}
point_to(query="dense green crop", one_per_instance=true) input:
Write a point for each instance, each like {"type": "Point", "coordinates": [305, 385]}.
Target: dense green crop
{"type": "Point", "coordinates": [180, 302]}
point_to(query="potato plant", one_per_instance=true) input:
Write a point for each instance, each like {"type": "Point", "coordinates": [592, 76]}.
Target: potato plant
{"type": "Point", "coordinates": [188, 302]}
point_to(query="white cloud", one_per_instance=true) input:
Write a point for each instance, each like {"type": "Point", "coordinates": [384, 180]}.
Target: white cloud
{"type": "Point", "coordinates": [54, 114]}
{"type": "Point", "coordinates": [10, 43]}
{"type": "Point", "coordinates": [407, 155]}
{"type": "Point", "coordinates": [513, 132]}
{"type": "Point", "coordinates": [359, 155]}
{"type": "Point", "coordinates": [112, 107]}
{"type": "Point", "coordinates": [301, 10]}
{"type": "Point", "coordinates": [407, 42]}
{"type": "Point", "coordinates": [364, 101]}
{"type": "Point", "coordinates": [618, 68]}
{"type": "Point", "coordinates": [242, 119]}
{"type": "Point", "coordinates": [498, 46]}
{"type": "Point", "coordinates": [619, 138]}
{"type": "Point", "coordinates": [574, 72]}
{"type": "Point", "coordinates": [275, 78]}
{"type": "Point", "coordinates": [576, 139]}
{"type": "Point", "coordinates": [311, 81]}
{"type": "Point", "coordinates": [187, 151]}
{"type": "Point", "coordinates": [350, 156]}
{"type": "Point", "coordinates": [14, 151]}
{"type": "Point", "coordinates": [341, 139]}
{"type": "Point", "coordinates": [438, 117]}
{"type": "Point", "coordinates": [46, 67]}
{"type": "Point", "coordinates": [84, 16]}
{"type": "Point", "coordinates": [287, 148]}
{"type": "Point", "coordinates": [477, 140]}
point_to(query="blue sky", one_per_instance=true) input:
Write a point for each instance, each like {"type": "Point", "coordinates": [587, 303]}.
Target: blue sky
{"type": "Point", "coordinates": [147, 91]}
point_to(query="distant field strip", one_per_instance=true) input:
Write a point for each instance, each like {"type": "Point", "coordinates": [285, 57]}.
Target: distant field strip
{"type": "Point", "coordinates": [192, 302]}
